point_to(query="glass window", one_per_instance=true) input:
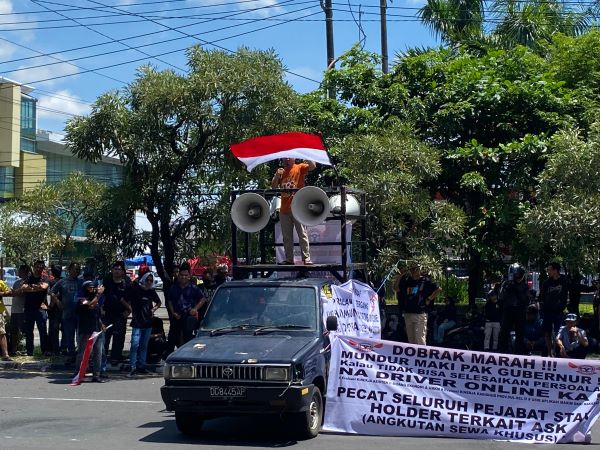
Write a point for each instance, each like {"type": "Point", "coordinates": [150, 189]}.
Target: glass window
{"type": "Point", "coordinates": [28, 124]}
{"type": "Point", "coordinates": [7, 182]}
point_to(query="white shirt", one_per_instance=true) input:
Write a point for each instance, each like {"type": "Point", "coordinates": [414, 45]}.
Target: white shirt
{"type": "Point", "coordinates": [18, 301]}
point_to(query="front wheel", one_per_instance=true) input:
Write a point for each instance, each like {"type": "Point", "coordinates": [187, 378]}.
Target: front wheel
{"type": "Point", "coordinates": [308, 423]}
{"type": "Point", "coordinates": [188, 423]}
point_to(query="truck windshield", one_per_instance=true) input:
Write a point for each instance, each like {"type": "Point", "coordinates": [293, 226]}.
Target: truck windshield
{"type": "Point", "coordinates": [262, 307]}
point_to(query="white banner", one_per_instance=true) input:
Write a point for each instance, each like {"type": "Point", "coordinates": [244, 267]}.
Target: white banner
{"type": "Point", "coordinates": [329, 231]}
{"type": "Point", "coordinates": [356, 307]}
{"type": "Point", "coordinates": [394, 389]}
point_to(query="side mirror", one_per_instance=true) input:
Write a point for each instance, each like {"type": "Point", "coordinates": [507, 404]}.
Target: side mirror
{"type": "Point", "coordinates": [331, 323]}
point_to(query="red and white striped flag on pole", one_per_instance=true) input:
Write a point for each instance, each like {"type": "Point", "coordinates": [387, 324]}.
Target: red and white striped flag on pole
{"type": "Point", "coordinates": [261, 149]}
{"type": "Point", "coordinates": [85, 359]}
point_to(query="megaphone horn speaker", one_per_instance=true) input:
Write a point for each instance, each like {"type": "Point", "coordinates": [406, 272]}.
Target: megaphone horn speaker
{"type": "Point", "coordinates": [352, 205]}
{"type": "Point", "coordinates": [250, 212]}
{"type": "Point", "coordinates": [310, 206]}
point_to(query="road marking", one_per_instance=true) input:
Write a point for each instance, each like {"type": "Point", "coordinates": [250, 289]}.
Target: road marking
{"type": "Point", "coordinates": [82, 400]}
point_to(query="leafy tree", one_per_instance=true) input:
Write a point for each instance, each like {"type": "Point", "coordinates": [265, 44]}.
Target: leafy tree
{"type": "Point", "coordinates": [378, 153]}
{"type": "Point", "coordinates": [172, 134]}
{"type": "Point", "coordinates": [61, 207]}
{"type": "Point", "coordinates": [25, 237]}
{"type": "Point", "coordinates": [392, 167]}
{"type": "Point", "coordinates": [490, 115]}
{"type": "Point", "coordinates": [505, 23]}
{"type": "Point", "coordinates": [454, 21]}
{"type": "Point", "coordinates": [564, 218]}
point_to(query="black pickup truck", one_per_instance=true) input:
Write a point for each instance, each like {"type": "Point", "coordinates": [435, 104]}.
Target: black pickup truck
{"type": "Point", "coordinates": [262, 348]}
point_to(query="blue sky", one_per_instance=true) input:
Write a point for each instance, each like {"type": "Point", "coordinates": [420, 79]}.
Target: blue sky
{"type": "Point", "coordinates": [63, 48]}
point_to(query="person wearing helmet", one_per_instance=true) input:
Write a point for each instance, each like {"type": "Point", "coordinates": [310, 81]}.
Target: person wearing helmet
{"type": "Point", "coordinates": [571, 340]}
{"type": "Point", "coordinates": [88, 316]}
{"type": "Point", "coordinates": [514, 299]}
{"type": "Point", "coordinates": [553, 296]}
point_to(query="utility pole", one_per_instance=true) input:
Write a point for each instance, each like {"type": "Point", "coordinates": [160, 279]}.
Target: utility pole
{"type": "Point", "coordinates": [328, 8]}
{"type": "Point", "coordinates": [384, 46]}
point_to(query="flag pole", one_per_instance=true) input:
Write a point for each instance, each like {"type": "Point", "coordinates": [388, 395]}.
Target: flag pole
{"type": "Point", "coordinates": [335, 170]}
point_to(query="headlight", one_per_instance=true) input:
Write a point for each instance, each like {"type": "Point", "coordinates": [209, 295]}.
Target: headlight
{"type": "Point", "coordinates": [178, 371]}
{"type": "Point", "coordinates": [277, 373]}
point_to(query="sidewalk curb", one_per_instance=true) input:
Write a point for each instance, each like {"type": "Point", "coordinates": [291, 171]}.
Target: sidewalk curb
{"type": "Point", "coordinates": [47, 366]}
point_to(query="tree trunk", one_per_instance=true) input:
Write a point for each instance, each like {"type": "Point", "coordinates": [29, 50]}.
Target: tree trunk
{"type": "Point", "coordinates": [475, 274]}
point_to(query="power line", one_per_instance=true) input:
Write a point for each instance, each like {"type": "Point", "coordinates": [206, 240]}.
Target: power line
{"type": "Point", "coordinates": [228, 16]}
{"type": "Point", "coordinates": [250, 21]}
{"type": "Point", "coordinates": [79, 8]}
{"type": "Point", "coordinates": [109, 37]}
{"type": "Point", "coordinates": [203, 42]}
{"type": "Point", "coordinates": [122, 82]}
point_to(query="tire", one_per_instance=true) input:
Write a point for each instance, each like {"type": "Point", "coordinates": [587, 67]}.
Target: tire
{"type": "Point", "coordinates": [307, 424]}
{"type": "Point", "coordinates": [188, 423]}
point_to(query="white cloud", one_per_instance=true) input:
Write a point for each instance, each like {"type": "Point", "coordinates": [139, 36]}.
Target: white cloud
{"type": "Point", "coordinates": [8, 19]}
{"type": "Point", "coordinates": [35, 77]}
{"type": "Point", "coordinates": [6, 50]}
{"type": "Point", "coordinates": [6, 7]}
{"type": "Point", "coordinates": [64, 101]}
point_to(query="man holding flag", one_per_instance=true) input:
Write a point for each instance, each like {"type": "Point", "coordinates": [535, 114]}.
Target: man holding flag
{"type": "Point", "coordinates": [291, 176]}
{"type": "Point", "coordinates": [91, 332]}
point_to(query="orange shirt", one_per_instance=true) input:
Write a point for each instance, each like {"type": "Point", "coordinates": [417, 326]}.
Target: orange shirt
{"type": "Point", "coordinates": [292, 178]}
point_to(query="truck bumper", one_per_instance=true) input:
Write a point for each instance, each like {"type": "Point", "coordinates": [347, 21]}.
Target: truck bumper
{"type": "Point", "coordinates": [258, 400]}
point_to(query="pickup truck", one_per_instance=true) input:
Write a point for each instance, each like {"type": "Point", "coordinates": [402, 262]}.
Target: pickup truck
{"type": "Point", "coordinates": [262, 348]}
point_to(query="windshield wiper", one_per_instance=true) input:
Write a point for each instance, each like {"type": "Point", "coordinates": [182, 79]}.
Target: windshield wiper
{"type": "Point", "coordinates": [242, 326]}
{"type": "Point", "coordinates": [288, 326]}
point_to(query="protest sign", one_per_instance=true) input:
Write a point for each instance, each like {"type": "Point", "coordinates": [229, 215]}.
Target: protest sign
{"type": "Point", "coordinates": [395, 389]}
{"type": "Point", "coordinates": [356, 307]}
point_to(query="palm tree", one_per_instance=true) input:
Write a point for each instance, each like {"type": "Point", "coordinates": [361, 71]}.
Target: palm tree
{"type": "Point", "coordinates": [507, 23]}
{"type": "Point", "coordinates": [534, 22]}
{"type": "Point", "coordinates": [454, 21]}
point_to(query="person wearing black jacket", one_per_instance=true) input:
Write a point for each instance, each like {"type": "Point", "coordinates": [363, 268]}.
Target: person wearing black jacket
{"type": "Point", "coordinates": [514, 299]}
{"type": "Point", "coordinates": [493, 316]}
{"type": "Point", "coordinates": [88, 316]}
{"type": "Point", "coordinates": [115, 311]}
{"type": "Point", "coordinates": [553, 297]}
{"type": "Point", "coordinates": [416, 295]}
{"type": "Point", "coordinates": [144, 302]}
{"type": "Point", "coordinates": [35, 291]}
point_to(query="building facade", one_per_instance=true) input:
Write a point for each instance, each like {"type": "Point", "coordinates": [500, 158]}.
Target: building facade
{"type": "Point", "coordinates": [29, 156]}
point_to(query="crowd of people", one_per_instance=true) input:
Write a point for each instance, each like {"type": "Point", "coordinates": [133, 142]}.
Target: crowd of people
{"type": "Point", "coordinates": [68, 310]}
{"type": "Point", "coordinates": [514, 320]}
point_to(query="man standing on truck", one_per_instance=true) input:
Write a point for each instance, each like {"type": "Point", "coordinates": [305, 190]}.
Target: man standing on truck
{"type": "Point", "coordinates": [186, 303]}
{"type": "Point", "coordinates": [291, 176]}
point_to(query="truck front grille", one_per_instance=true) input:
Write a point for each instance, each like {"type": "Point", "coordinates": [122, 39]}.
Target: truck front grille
{"type": "Point", "coordinates": [229, 372]}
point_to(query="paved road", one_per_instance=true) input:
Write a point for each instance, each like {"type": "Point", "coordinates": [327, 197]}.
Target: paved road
{"type": "Point", "coordinates": [44, 412]}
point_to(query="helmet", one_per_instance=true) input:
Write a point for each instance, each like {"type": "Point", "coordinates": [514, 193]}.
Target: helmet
{"type": "Point", "coordinates": [515, 271]}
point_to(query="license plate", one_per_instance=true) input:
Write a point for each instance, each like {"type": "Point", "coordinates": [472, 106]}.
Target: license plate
{"type": "Point", "coordinates": [228, 391]}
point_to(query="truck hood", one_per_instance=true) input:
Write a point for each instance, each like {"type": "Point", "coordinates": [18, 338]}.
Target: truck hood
{"type": "Point", "coordinates": [236, 348]}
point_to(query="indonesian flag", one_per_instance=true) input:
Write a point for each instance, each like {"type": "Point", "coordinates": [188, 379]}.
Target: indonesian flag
{"type": "Point", "coordinates": [85, 359]}
{"type": "Point", "coordinates": [261, 149]}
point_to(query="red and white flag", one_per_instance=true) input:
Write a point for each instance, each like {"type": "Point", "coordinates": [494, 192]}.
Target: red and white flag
{"type": "Point", "coordinates": [89, 345]}
{"type": "Point", "coordinates": [261, 149]}
{"type": "Point", "coordinates": [85, 359]}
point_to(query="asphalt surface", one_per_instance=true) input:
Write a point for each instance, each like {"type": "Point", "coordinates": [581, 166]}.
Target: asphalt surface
{"type": "Point", "coordinates": [44, 412]}
{"type": "Point", "coordinates": [39, 410]}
